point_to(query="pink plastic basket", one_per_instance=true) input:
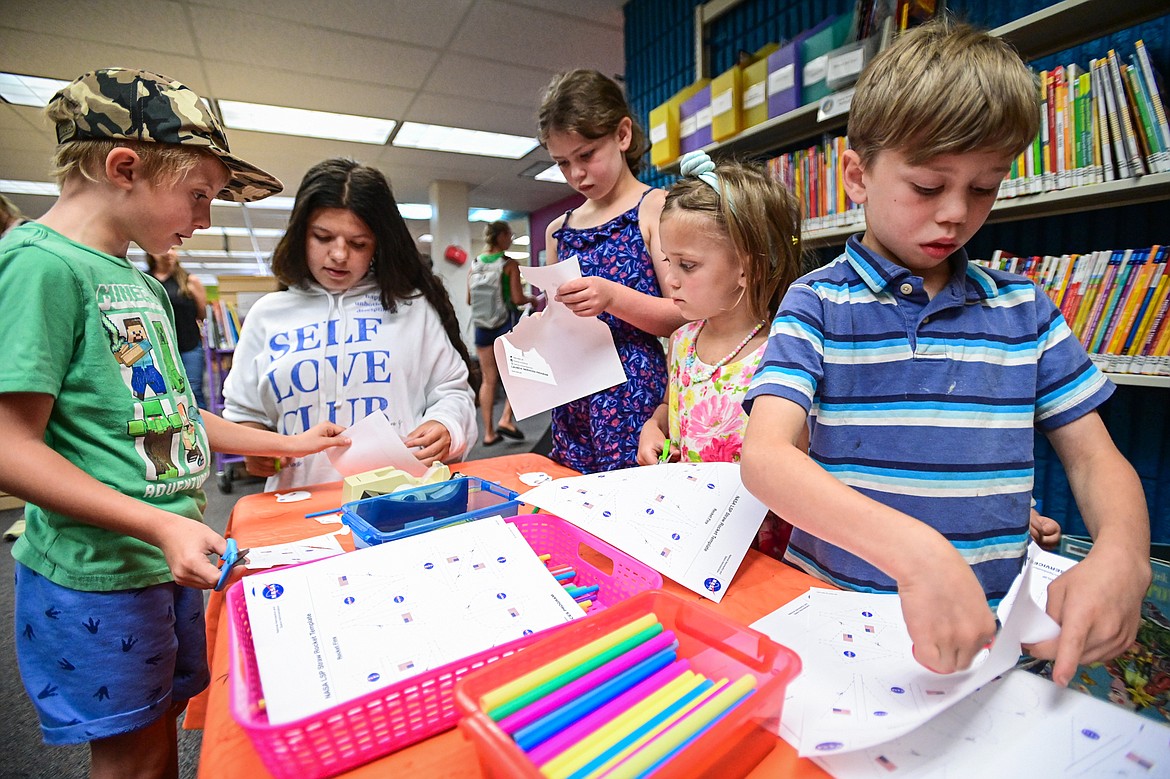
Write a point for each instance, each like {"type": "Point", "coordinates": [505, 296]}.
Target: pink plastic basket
{"type": "Point", "coordinates": [376, 724]}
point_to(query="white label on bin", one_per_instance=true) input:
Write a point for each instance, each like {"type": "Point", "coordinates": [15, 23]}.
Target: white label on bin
{"type": "Point", "coordinates": [703, 118]}
{"type": "Point", "coordinates": [782, 79]}
{"type": "Point", "coordinates": [688, 126]}
{"type": "Point", "coordinates": [835, 104]}
{"type": "Point", "coordinates": [814, 71]}
{"type": "Point", "coordinates": [754, 95]}
{"type": "Point", "coordinates": [658, 133]}
{"type": "Point", "coordinates": [721, 103]}
{"type": "Point", "coordinates": [843, 66]}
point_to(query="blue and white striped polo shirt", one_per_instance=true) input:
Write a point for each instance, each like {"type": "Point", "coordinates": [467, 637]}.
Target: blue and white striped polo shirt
{"type": "Point", "coordinates": [927, 405]}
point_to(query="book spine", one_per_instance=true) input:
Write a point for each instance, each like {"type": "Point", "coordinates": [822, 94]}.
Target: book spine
{"type": "Point", "coordinates": [1112, 166]}
{"type": "Point", "coordinates": [1112, 305]}
{"type": "Point", "coordinates": [1093, 326]}
{"type": "Point", "coordinates": [1144, 313]}
{"type": "Point", "coordinates": [1150, 77]}
{"type": "Point", "coordinates": [1137, 161]}
{"type": "Point", "coordinates": [1147, 135]}
{"type": "Point", "coordinates": [1132, 297]}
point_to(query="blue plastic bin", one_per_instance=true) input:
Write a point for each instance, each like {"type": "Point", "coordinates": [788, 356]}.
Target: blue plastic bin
{"type": "Point", "coordinates": [419, 509]}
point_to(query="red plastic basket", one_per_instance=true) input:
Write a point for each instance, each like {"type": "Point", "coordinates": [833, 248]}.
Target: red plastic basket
{"type": "Point", "coordinates": [716, 647]}
{"type": "Point", "coordinates": [382, 721]}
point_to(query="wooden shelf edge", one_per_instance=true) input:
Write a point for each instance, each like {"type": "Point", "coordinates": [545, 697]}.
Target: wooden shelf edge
{"type": "Point", "coordinates": [1110, 194]}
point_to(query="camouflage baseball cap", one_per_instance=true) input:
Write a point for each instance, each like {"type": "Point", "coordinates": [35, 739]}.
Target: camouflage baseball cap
{"type": "Point", "coordinates": [137, 105]}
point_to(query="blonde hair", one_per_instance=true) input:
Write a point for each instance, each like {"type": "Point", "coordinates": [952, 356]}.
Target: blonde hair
{"type": "Point", "coordinates": [944, 88]}
{"type": "Point", "coordinates": [164, 164]}
{"type": "Point", "coordinates": [760, 218]}
{"type": "Point", "coordinates": [592, 105]}
{"type": "Point", "coordinates": [10, 215]}
{"type": "Point", "coordinates": [180, 273]}
{"type": "Point", "coordinates": [492, 232]}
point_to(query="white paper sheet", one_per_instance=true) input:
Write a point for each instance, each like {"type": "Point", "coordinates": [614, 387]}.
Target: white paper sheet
{"type": "Point", "coordinates": [860, 685]}
{"type": "Point", "coordinates": [293, 552]}
{"type": "Point", "coordinates": [1018, 725]}
{"type": "Point", "coordinates": [376, 444]}
{"type": "Point", "coordinates": [332, 630]}
{"type": "Point", "coordinates": [551, 359]}
{"type": "Point", "coordinates": [692, 522]}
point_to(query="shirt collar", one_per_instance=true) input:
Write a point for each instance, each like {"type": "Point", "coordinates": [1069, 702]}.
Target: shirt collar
{"type": "Point", "coordinates": [878, 273]}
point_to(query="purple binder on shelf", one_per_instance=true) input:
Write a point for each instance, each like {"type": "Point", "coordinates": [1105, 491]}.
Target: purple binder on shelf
{"type": "Point", "coordinates": [785, 73]}
{"type": "Point", "coordinates": [695, 121]}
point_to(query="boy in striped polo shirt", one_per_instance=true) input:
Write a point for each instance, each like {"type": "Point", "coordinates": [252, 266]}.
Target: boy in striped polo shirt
{"type": "Point", "coordinates": [922, 376]}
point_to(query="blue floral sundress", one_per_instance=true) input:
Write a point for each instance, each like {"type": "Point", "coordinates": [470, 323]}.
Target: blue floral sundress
{"type": "Point", "coordinates": [599, 432]}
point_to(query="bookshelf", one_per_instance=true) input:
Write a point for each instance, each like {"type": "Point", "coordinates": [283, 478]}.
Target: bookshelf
{"type": "Point", "coordinates": [1048, 30]}
{"type": "Point", "coordinates": [1110, 194]}
{"type": "Point", "coordinates": [1138, 380]}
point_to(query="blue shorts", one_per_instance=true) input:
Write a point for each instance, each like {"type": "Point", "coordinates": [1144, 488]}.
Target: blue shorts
{"type": "Point", "coordinates": [486, 336]}
{"type": "Point", "coordinates": [98, 664]}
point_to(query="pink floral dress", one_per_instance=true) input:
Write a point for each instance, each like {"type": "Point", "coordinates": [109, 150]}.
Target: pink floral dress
{"type": "Point", "coordinates": [707, 420]}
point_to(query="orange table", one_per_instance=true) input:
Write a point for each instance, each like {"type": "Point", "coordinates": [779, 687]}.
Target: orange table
{"type": "Point", "coordinates": [761, 586]}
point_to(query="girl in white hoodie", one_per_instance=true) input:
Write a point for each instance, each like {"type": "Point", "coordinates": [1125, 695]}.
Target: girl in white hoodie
{"type": "Point", "coordinates": [361, 325]}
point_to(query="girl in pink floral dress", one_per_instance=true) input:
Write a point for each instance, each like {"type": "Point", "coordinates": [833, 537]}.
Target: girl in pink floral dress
{"type": "Point", "coordinates": [731, 236]}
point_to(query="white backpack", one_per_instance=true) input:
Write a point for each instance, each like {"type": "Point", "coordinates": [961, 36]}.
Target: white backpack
{"type": "Point", "coordinates": [485, 280]}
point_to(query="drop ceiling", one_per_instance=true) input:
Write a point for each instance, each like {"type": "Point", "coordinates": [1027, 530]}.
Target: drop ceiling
{"type": "Point", "coordinates": [479, 64]}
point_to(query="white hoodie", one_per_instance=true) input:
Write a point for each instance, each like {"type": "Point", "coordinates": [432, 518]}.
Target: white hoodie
{"type": "Point", "coordinates": [309, 355]}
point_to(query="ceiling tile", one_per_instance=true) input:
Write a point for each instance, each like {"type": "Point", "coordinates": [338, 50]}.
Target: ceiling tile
{"type": "Point", "coordinates": [392, 20]}
{"type": "Point", "coordinates": [254, 40]}
{"type": "Point", "coordinates": [51, 56]}
{"type": "Point", "coordinates": [299, 90]}
{"type": "Point", "coordinates": [463, 76]}
{"type": "Point", "coordinates": [546, 40]}
{"type": "Point", "coordinates": [161, 26]}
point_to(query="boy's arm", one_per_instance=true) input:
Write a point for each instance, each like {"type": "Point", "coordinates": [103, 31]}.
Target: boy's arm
{"type": "Point", "coordinates": [945, 609]}
{"type": "Point", "coordinates": [236, 438]}
{"type": "Point", "coordinates": [35, 472]}
{"type": "Point", "coordinates": [1098, 601]}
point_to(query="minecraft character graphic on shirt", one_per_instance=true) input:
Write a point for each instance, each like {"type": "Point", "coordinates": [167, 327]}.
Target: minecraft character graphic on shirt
{"type": "Point", "coordinates": [157, 428]}
{"type": "Point", "coordinates": [188, 438]}
{"type": "Point", "coordinates": [134, 351]}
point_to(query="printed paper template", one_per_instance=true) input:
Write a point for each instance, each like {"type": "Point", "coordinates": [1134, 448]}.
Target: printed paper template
{"type": "Point", "coordinates": [335, 629]}
{"type": "Point", "coordinates": [860, 685]}
{"type": "Point", "coordinates": [555, 357]}
{"type": "Point", "coordinates": [692, 522]}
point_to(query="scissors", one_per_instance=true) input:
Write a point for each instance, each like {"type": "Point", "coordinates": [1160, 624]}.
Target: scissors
{"type": "Point", "coordinates": [231, 557]}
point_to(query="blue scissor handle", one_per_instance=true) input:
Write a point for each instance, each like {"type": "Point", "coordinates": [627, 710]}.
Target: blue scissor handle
{"type": "Point", "coordinates": [228, 561]}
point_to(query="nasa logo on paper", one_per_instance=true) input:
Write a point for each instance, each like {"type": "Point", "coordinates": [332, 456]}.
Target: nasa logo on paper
{"type": "Point", "coordinates": [272, 591]}
{"type": "Point", "coordinates": [713, 585]}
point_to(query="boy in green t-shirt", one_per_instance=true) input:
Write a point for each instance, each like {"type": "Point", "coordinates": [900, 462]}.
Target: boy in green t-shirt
{"type": "Point", "coordinates": [102, 436]}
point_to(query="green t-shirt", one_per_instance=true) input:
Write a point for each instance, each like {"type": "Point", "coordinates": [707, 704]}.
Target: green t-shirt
{"type": "Point", "coordinates": [98, 335]}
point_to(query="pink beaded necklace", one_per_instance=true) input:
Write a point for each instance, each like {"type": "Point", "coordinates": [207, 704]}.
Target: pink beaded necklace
{"type": "Point", "coordinates": [693, 352]}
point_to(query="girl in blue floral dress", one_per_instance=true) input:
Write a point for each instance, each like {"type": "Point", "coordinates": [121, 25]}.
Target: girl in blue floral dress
{"type": "Point", "coordinates": [587, 127]}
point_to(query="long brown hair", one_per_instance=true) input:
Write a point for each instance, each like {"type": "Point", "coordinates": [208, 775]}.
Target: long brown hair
{"type": "Point", "coordinates": [592, 105]}
{"type": "Point", "coordinates": [398, 268]}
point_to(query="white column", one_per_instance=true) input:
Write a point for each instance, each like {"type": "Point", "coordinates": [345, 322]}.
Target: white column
{"type": "Point", "coordinates": [449, 225]}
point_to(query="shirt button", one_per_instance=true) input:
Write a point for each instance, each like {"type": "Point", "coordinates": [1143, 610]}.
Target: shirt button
{"type": "Point", "coordinates": [906, 288]}
{"type": "Point", "coordinates": [925, 320]}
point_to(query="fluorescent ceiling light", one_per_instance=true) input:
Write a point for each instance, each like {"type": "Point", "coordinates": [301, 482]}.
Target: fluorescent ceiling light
{"type": "Point", "coordinates": [461, 141]}
{"type": "Point", "coordinates": [426, 238]}
{"type": "Point", "coordinates": [521, 240]}
{"type": "Point", "coordinates": [14, 187]}
{"type": "Point", "coordinates": [276, 203]}
{"type": "Point", "coordinates": [417, 211]}
{"type": "Point", "coordinates": [485, 215]}
{"type": "Point", "coordinates": [553, 173]}
{"type": "Point", "coordinates": [28, 90]}
{"type": "Point", "coordinates": [299, 121]}
{"type": "Point", "coordinates": [243, 232]}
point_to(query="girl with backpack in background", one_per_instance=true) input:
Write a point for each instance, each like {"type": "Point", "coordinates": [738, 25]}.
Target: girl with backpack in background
{"type": "Point", "coordinates": [495, 294]}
